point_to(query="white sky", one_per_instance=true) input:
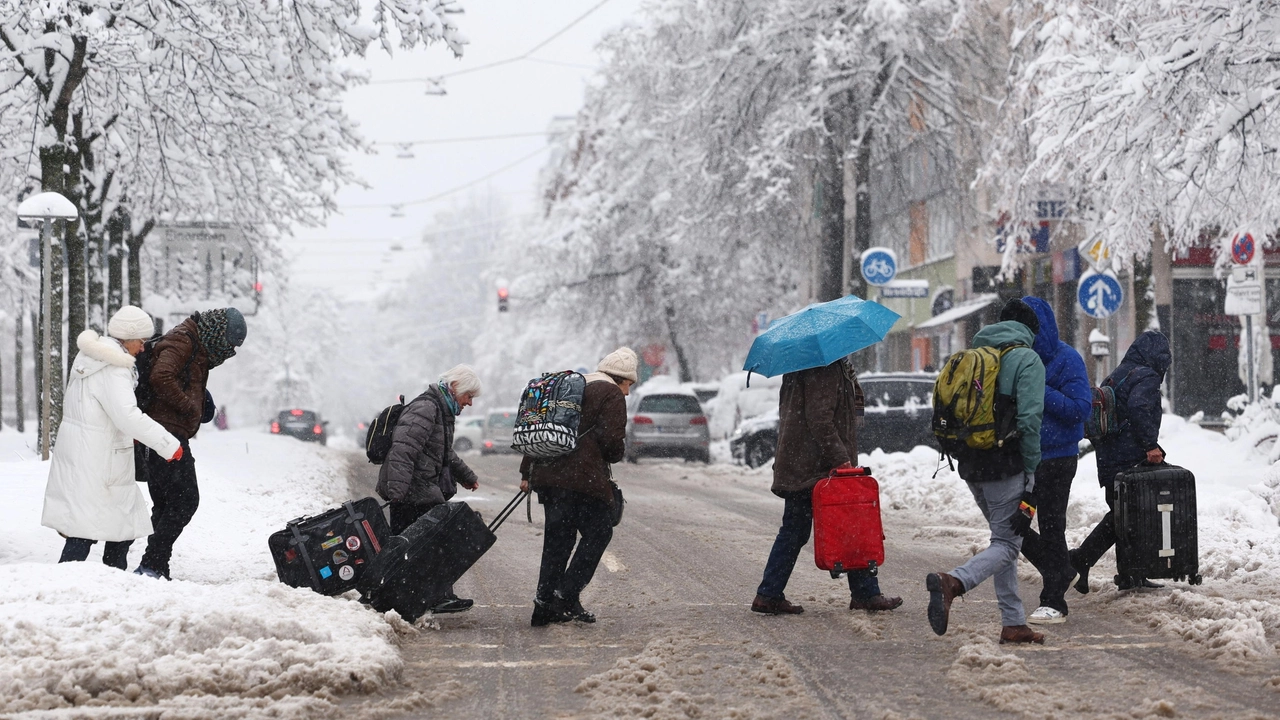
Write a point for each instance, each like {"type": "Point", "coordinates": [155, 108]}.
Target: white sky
{"type": "Point", "coordinates": [350, 254]}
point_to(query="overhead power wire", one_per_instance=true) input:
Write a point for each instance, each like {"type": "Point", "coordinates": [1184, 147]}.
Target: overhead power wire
{"type": "Point", "coordinates": [473, 138]}
{"type": "Point", "coordinates": [498, 63]}
{"type": "Point", "coordinates": [453, 190]}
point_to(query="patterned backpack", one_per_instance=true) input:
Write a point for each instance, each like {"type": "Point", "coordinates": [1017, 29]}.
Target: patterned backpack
{"type": "Point", "coordinates": [1103, 420]}
{"type": "Point", "coordinates": [550, 411]}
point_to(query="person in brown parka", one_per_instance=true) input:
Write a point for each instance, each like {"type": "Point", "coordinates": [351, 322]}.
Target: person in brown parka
{"type": "Point", "coordinates": [576, 491]}
{"type": "Point", "coordinates": [818, 412]}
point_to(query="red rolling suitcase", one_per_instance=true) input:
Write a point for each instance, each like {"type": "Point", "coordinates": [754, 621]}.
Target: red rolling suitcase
{"type": "Point", "coordinates": [847, 533]}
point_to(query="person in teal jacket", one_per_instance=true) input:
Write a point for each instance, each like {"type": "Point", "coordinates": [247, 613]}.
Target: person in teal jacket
{"type": "Point", "coordinates": [1002, 480]}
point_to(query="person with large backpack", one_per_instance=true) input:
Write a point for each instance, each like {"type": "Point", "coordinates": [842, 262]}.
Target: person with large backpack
{"type": "Point", "coordinates": [577, 492]}
{"type": "Point", "coordinates": [1136, 383]}
{"type": "Point", "coordinates": [1068, 398]}
{"type": "Point", "coordinates": [420, 469]}
{"type": "Point", "coordinates": [173, 392]}
{"type": "Point", "coordinates": [1001, 470]}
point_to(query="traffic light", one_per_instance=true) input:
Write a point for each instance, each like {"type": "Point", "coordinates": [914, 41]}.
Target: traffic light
{"type": "Point", "coordinates": [503, 296]}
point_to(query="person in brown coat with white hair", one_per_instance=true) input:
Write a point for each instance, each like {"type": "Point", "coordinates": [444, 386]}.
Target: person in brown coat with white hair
{"type": "Point", "coordinates": [818, 413]}
{"type": "Point", "coordinates": [576, 491]}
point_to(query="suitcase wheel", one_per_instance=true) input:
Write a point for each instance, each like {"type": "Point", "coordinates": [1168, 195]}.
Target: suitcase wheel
{"type": "Point", "coordinates": [1196, 579]}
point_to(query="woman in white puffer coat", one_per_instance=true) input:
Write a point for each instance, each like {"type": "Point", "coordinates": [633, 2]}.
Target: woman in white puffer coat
{"type": "Point", "coordinates": [92, 494]}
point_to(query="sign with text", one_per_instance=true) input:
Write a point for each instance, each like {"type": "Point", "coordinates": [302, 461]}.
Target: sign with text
{"type": "Point", "coordinates": [1244, 291]}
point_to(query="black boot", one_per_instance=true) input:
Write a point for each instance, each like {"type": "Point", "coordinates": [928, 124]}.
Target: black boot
{"type": "Point", "coordinates": [573, 608]}
{"type": "Point", "coordinates": [1081, 583]}
{"type": "Point", "coordinates": [545, 613]}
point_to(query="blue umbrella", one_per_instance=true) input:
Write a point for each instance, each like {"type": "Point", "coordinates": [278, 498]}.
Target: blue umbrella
{"type": "Point", "coordinates": [819, 335]}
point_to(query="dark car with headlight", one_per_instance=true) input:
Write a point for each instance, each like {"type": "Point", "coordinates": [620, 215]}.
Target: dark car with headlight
{"type": "Point", "coordinates": [897, 418]}
{"type": "Point", "coordinates": [301, 424]}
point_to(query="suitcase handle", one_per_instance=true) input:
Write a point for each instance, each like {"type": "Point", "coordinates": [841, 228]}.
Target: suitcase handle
{"type": "Point", "coordinates": [506, 511]}
{"type": "Point", "coordinates": [851, 472]}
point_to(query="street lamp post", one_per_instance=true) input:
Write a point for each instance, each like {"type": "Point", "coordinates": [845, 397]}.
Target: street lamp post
{"type": "Point", "coordinates": [44, 208]}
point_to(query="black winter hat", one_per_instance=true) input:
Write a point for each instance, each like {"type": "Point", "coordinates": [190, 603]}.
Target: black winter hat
{"type": "Point", "coordinates": [1017, 310]}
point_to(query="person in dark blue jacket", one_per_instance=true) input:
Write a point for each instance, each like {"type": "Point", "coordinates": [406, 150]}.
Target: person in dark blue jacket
{"type": "Point", "coordinates": [1068, 397]}
{"type": "Point", "coordinates": [1137, 383]}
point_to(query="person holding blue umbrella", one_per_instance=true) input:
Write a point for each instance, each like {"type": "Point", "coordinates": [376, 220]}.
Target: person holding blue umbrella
{"type": "Point", "coordinates": [819, 409]}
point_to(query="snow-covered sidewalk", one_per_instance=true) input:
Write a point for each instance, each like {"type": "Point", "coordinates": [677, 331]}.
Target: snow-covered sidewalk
{"type": "Point", "coordinates": [224, 639]}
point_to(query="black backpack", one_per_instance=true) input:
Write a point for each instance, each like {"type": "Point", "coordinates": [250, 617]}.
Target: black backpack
{"type": "Point", "coordinates": [146, 360]}
{"type": "Point", "coordinates": [377, 442]}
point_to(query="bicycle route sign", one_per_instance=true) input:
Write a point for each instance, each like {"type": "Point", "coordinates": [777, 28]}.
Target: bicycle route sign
{"type": "Point", "coordinates": [1242, 249]}
{"type": "Point", "coordinates": [1100, 293]}
{"type": "Point", "coordinates": [879, 265]}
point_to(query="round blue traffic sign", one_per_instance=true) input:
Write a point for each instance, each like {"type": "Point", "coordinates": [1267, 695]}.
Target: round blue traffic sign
{"type": "Point", "coordinates": [1242, 249]}
{"type": "Point", "coordinates": [879, 265]}
{"type": "Point", "coordinates": [1099, 294]}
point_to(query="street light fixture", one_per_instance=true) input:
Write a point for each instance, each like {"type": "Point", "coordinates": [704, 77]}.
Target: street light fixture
{"type": "Point", "coordinates": [44, 208]}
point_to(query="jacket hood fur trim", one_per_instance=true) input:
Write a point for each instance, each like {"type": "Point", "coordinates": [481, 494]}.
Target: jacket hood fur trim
{"type": "Point", "coordinates": [104, 349]}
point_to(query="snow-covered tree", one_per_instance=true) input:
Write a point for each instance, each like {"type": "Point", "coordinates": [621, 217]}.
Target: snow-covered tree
{"type": "Point", "coordinates": [1147, 113]}
{"type": "Point", "coordinates": [208, 110]}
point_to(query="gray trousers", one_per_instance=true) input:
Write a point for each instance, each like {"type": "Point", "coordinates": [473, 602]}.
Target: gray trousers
{"type": "Point", "coordinates": [998, 502]}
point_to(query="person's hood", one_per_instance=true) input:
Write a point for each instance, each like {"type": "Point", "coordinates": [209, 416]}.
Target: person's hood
{"type": "Point", "coordinates": [1047, 340]}
{"type": "Point", "coordinates": [1150, 350]}
{"type": "Point", "coordinates": [1003, 333]}
{"type": "Point", "coordinates": [98, 352]}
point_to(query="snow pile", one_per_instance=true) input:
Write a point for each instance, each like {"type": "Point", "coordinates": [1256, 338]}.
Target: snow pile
{"type": "Point", "coordinates": [82, 632]}
{"type": "Point", "coordinates": [225, 639]}
{"type": "Point", "coordinates": [680, 677]}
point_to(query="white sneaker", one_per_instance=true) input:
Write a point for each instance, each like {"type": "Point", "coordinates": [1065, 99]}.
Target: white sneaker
{"type": "Point", "coordinates": [1045, 615]}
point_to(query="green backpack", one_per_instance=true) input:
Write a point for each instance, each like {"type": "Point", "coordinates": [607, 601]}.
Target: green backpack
{"type": "Point", "coordinates": [968, 414]}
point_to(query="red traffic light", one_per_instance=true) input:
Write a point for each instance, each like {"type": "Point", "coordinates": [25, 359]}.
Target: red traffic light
{"type": "Point", "coordinates": [257, 287]}
{"type": "Point", "coordinates": [503, 294]}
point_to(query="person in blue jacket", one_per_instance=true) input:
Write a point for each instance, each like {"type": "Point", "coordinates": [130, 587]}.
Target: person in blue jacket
{"type": "Point", "coordinates": [1068, 397]}
{"type": "Point", "coordinates": [1137, 382]}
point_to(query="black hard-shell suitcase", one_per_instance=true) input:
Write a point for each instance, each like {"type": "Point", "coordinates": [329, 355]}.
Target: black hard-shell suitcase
{"type": "Point", "coordinates": [415, 569]}
{"type": "Point", "coordinates": [1155, 522]}
{"type": "Point", "coordinates": [332, 551]}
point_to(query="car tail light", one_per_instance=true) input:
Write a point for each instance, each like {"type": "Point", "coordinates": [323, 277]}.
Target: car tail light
{"type": "Point", "coordinates": [488, 443]}
{"type": "Point", "coordinates": [296, 413]}
{"type": "Point", "coordinates": [317, 429]}
{"type": "Point", "coordinates": [642, 420]}
{"type": "Point", "coordinates": [699, 420]}
{"type": "Point", "coordinates": [275, 427]}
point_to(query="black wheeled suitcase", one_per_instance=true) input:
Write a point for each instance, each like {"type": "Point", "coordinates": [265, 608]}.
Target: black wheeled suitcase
{"type": "Point", "coordinates": [1155, 522]}
{"type": "Point", "coordinates": [415, 569]}
{"type": "Point", "coordinates": [332, 551]}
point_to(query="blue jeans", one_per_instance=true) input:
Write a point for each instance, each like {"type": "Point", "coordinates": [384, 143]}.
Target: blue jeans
{"type": "Point", "coordinates": [797, 523]}
{"type": "Point", "coordinates": [998, 501]}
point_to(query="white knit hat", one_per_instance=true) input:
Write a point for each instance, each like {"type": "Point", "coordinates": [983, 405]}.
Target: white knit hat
{"type": "Point", "coordinates": [621, 363]}
{"type": "Point", "coordinates": [131, 323]}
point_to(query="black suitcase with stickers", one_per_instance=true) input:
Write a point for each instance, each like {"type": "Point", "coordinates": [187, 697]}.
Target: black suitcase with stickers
{"type": "Point", "coordinates": [1155, 523]}
{"type": "Point", "coordinates": [416, 568]}
{"type": "Point", "coordinates": [332, 551]}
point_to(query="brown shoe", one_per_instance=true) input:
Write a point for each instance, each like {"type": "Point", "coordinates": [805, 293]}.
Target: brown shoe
{"type": "Point", "coordinates": [942, 590]}
{"type": "Point", "coordinates": [774, 606]}
{"type": "Point", "coordinates": [877, 603]}
{"type": "Point", "coordinates": [1020, 634]}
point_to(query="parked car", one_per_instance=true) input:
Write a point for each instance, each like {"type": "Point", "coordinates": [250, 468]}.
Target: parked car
{"type": "Point", "coordinates": [668, 424]}
{"type": "Point", "coordinates": [737, 401]}
{"type": "Point", "coordinates": [756, 440]}
{"type": "Point", "coordinates": [468, 434]}
{"type": "Point", "coordinates": [495, 435]}
{"type": "Point", "coordinates": [302, 424]}
{"type": "Point", "coordinates": [898, 417]}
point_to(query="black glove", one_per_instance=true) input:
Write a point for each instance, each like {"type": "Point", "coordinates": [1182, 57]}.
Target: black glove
{"type": "Point", "coordinates": [1025, 513]}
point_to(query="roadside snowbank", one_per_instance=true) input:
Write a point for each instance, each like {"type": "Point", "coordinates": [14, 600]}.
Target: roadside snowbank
{"type": "Point", "coordinates": [224, 639]}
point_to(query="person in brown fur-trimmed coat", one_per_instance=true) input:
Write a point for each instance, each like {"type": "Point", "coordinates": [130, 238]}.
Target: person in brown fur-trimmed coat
{"type": "Point", "coordinates": [818, 412]}
{"type": "Point", "coordinates": [576, 492]}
